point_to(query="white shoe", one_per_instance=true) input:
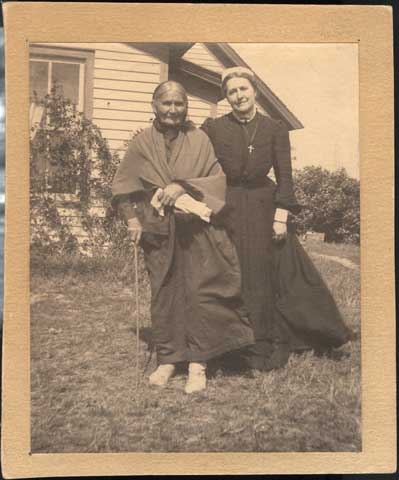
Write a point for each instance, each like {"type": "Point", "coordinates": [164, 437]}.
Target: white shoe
{"type": "Point", "coordinates": [196, 378]}
{"type": "Point", "coordinates": [161, 375]}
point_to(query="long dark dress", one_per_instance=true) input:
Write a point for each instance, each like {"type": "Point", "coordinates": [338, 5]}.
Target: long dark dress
{"type": "Point", "coordinates": [271, 285]}
{"type": "Point", "coordinates": [196, 305]}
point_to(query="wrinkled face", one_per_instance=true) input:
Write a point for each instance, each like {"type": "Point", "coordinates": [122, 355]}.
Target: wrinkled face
{"type": "Point", "coordinates": [170, 108]}
{"type": "Point", "coordinates": [241, 95]}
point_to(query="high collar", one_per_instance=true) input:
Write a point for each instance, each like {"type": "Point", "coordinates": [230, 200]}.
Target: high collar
{"type": "Point", "coordinates": [244, 120]}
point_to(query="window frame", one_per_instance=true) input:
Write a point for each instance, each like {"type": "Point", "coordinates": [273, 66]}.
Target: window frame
{"type": "Point", "coordinates": [84, 56]}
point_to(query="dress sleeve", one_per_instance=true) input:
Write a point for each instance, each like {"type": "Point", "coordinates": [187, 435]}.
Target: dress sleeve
{"type": "Point", "coordinates": [207, 127]}
{"type": "Point", "coordinates": [285, 196]}
{"type": "Point", "coordinates": [127, 188]}
{"type": "Point", "coordinates": [125, 207]}
{"type": "Point", "coordinates": [213, 166]}
{"type": "Point", "coordinates": [128, 204]}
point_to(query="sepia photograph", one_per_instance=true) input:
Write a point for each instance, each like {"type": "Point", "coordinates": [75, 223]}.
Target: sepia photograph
{"type": "Point", "coordinates": [194, 247]}
{"type": "Point", "coordinates": [198, 240]}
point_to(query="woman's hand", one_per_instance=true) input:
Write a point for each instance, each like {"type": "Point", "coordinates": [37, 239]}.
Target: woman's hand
{"type": "Point", "coordinates": [170, 194]}
{"type": "Point", "coordinates": [135, 229]}
{"type": "Point", "coordinates": [279, 231]}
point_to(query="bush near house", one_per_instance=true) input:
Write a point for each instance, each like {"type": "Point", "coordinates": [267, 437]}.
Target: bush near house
{"type": "Point", "coordinates": [71, 167]}
{"type": "Point", "coordinates": [331, 204]}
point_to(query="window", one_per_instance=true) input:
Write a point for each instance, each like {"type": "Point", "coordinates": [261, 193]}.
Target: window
{"type": "Point", "coordinates": [44, 73]}
{"type": "Point", "coordinates": [72, 70]}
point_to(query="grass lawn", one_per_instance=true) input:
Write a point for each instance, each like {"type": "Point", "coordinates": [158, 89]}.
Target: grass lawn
{"type": "Point", "coordinates": [347, 252]}
{"type": "Point", "coordinates": [84, 396]}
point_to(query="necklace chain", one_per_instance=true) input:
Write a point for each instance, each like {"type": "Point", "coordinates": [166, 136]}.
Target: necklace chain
{"type": "Point", "coordinates": [251, 139]}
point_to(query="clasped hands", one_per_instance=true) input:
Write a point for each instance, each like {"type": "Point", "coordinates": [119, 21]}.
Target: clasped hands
{"type": "Point", "coordinates": [167, 198]}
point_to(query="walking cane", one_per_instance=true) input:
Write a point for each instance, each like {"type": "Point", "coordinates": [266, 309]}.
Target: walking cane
{"type": "Point", "coordinates": [136, 291]}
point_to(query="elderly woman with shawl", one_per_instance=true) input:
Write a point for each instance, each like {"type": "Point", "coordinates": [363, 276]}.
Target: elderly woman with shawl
{"type": "Point", "coordinates": [170, 170]}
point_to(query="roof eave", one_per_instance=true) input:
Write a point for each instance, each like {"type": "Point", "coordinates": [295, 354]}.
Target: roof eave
{"type": "Point", "coordinates": [214, 79]}
{"type": "Point", "coordinates": [269, 100]}
{"type": "Point", "coordinates": [195, 70]}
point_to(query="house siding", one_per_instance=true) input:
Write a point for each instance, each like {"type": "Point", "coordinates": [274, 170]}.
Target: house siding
{"type": "Point", "coordinates": [123, 82]}
{"type": "Point", "coordinates": [223, 107]}
{"type": "Point", "coordinates": [124, 79]}
{"type": "Point", "coordinates": [199, 110]}
{"type": "Point", "coordinates": [201, 56]}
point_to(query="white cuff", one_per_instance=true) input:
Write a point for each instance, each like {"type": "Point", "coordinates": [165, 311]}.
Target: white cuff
{"type": "Point", "coordinates": [281, 215]}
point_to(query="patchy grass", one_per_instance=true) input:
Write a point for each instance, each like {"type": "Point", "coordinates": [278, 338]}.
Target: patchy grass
{"type": "Point", "coordinates": [84, 396]}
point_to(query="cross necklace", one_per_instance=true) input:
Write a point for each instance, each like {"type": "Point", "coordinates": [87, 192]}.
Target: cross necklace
{"type": "Point", "coordinates": [250, 140]}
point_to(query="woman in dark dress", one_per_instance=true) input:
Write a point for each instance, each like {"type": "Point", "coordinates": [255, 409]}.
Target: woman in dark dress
{"type": "Point", "coordinates": [290, 307]}
{"type": "Point", "coordinates": [197, 311]}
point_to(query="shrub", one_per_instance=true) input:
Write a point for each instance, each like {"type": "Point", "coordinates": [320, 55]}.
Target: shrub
{"type": "Point", "coordinates": [68, 155]}
{"type": "Point", "coordinates": [331, 204]}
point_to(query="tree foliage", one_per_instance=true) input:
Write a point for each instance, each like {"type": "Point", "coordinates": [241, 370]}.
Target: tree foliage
{"type": "Point", "coordinates": [331, 204]}
{"type": "Point", "coordinates": [70, 160]}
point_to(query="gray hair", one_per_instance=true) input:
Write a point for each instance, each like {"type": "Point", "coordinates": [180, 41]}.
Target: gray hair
{"type": "Point", "coordinates": [166, 87]}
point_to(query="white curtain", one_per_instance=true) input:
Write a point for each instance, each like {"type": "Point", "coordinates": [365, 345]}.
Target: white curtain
{"type": "Point", "coordinates": [36, 115]}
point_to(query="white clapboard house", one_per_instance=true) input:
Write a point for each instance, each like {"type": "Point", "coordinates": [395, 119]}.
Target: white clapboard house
{"type": "Point", "coordinates": [112, 84]}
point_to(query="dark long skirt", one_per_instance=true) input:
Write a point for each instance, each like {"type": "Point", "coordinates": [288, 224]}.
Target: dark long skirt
{"type": "Point", "coordinates": [304, 307]}
{"type": "Point", "coordinates": [289, 305]}
{"type": "Point", "coordinates": [197, 308]}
